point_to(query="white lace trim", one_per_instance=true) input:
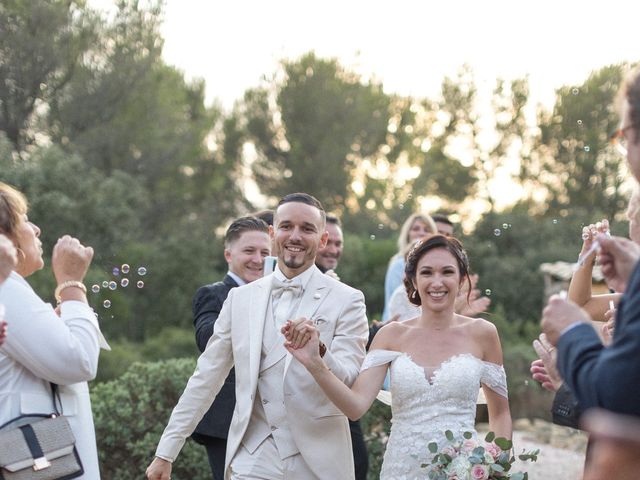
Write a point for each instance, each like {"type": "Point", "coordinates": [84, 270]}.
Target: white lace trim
{"type": "Point", "coordinates": [493, 375]}
{"type": "Point", "coordinates": [379, 357]}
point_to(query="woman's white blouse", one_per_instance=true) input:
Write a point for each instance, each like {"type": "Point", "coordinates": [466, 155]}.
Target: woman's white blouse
{"type": "Point", "coordinates": [42, 347]}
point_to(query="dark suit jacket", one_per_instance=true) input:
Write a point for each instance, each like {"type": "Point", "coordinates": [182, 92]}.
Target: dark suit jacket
{"type": "Point", "coordinates": [565, 409]}
{"type": "Point", "coordinates": [207, 304]}
{"type": "Point", "coordinates": [606, 377]}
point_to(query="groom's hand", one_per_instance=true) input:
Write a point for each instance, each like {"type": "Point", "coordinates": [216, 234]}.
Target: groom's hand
{"type": "Point", "coordinates": [296, 332]}
{"type": "Point", "coordinates": [159, 469]}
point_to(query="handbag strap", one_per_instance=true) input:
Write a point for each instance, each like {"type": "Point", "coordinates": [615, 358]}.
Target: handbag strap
{"type": "Point", "coordinates": [56, 394]}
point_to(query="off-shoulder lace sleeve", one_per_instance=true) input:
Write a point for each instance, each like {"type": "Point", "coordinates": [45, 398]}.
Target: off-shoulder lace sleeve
{"type": "Point", "coordinates": [379, 357]}
{"type": "Point", "coordinates": [494, 377]}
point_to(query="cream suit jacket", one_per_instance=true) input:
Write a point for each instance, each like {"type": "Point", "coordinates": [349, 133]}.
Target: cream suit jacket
{"type": "Point", "coordinates": [320, 430]}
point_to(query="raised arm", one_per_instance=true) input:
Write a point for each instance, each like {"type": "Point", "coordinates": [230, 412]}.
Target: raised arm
{"type": "Point", "coordinates": [580, 286]}
{"type": "Point", "coordinates": [354, 401]}
{"type": "Point", "coordinates": [494, 382]}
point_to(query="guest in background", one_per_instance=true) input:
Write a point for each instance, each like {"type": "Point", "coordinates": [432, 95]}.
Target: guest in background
{"type": "Point", "coordinates": [415, 227]}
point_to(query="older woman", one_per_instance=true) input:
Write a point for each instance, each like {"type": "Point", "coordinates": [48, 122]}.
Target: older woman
{"type": "Point", "coordinates": [416, 226]}
{"type": "Point", "coordinates": [44, 347]}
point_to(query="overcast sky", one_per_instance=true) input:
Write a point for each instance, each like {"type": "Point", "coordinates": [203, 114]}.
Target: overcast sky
{"type": "Point", "coordinates": [410, 45]}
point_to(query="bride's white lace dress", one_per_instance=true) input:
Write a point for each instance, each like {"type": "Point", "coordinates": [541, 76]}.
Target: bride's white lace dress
{"type": "Point", "coordinates": [427, 402]}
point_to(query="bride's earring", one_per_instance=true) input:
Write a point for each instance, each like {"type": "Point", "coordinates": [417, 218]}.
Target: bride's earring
{"type": "Point", "coordinates": [414, 294]}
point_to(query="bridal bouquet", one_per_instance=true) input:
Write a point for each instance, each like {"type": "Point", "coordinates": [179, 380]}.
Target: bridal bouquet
{"type": "Point", "coordinates": [468, 458]}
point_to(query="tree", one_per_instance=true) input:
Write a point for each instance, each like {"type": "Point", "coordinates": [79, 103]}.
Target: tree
{"type": "Point", "coordinates": [307, 128]}
{"type": "Point", "coordinates": [41, 43]}
{"type": "Point", "coordinates": [572, 160]}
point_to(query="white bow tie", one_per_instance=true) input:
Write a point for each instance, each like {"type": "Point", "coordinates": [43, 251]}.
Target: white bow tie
{"type": "Point", "coordinates": [279, 286]}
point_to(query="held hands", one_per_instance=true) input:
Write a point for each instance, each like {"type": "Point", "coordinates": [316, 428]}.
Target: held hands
{"type": "Point", "coordinates": [71, 259]}
{"type": "Point", "coordinates": [558, 315]}
{"type": "Point", "coordinates": [8, 257]}
{"type": "Point", "coordinates": [303, 342]}
{"type": "Point", "coordinates": [159, 469]}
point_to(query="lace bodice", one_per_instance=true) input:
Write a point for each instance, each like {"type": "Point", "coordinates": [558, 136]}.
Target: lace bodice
{"type": "Point", "coordinates": [424, 406]}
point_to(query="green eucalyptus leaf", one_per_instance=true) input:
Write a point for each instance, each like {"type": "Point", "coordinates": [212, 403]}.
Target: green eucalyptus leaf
{"type": "Point", "coordinates": [433, 447]}
{"type": "Point", "coordinates": [490, 436]}
{"type": "Point", "coordinates": [449, 435]}
{"type": "Point", "coordinates": [504, 443]}
{"type": "Point", "coordinates": [467, 435]}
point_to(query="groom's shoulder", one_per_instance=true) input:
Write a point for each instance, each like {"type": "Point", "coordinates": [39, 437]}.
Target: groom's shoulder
{"type": "Point", "coordinates": [339, 287]}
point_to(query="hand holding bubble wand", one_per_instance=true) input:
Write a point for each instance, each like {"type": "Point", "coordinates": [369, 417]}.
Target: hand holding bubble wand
{"type": "Point", "coordinates": [591, 232]}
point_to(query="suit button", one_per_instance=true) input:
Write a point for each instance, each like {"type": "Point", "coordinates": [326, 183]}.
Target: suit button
{"type": "Point", "coordinates": [264, 402]}
{"type": "Point", "coordinates": [273, 428]}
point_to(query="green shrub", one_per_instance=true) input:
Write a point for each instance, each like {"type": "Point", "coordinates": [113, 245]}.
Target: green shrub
{"type": "Point", "coordinates": [376, 425]}
{"type": "Point", "coordinates": [130, 414]}
{"type": "Point", "coordinates": [171, 342]}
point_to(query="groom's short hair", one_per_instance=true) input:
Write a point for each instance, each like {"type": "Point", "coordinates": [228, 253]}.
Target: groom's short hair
{"type": "Point", "coordinates": [242, 225]}
{"type": "Point", "coordinates": [306, 199]}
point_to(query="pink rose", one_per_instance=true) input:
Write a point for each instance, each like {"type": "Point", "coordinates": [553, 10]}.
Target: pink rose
{"type": "Point", "coordinates": [469, 445]}
{"type": "Point", "coordinates": [449, 451]}
{"type": "Point", "coordinates": [480, 472]}
{"type": "Point", "coordinates": [493, 450]}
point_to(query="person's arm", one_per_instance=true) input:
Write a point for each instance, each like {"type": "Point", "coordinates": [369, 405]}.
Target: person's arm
{"type": "Point", "coordinates": [347, 349]}
{"type": "Point", "coordinates": [354, 401]}
{"type": "Point", "coordinates": [494, 385]}
{"type": "Point", "coordinates": [579, 290]}
{"type": "Point", "coordinates": [61, 349]}
{"type": "Point", "coordinates": [212, 368]}
{"type": "Point", "coordinates": [206, 305]}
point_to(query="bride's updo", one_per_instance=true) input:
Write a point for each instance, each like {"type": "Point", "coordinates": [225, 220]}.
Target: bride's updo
{"type": "Point", "coordinates": [424, 245]}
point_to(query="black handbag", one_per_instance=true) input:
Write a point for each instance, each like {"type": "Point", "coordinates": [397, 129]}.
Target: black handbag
{"type": "Point", "coordinates": [39, 447]}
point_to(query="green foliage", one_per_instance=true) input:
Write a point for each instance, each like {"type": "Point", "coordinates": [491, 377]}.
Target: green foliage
{"type": "Point", "coordinates": [130, 414]}
{"type": "Point", "coordinates": [376, 425]}
{"type": "Point", "coordinates": [573, 160]}
{"type": "Point", "coordinates": [363, 266]}
{"type": "Point", "coordinates": [168, 343]}
{"type": "Point", "coordinates": [40, 46]}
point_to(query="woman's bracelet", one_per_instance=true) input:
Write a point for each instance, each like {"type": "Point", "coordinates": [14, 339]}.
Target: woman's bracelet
{"type": "Point", "coordinates": [67, 284]}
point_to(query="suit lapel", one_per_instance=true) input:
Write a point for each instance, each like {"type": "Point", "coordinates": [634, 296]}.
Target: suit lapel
{"type": "Point", "coordinates": [316, 290]}
{"type": "Point", "coordinates": [257, 311]}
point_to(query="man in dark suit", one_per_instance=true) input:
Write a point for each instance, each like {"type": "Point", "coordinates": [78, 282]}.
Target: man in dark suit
{"type": "Point", "coordinates": [246, 243]}
{"type": "Point", "coordinates": [327, 260]}
{"type": "Point", "coordinates": [606, 377]}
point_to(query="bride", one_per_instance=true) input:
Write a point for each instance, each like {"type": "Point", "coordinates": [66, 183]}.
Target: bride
{"type": "Point", "coordinates": [437, 362]}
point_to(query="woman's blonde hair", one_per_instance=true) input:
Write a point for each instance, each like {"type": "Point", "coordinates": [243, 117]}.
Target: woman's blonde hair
{"type": "Point", "coordinates": [13, 205]}
{"type": "Point", "coordinates": [403, 239]}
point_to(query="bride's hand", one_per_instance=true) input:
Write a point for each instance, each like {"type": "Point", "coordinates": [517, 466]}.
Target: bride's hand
{"type": "Point", "coordinates": [295, 332]}
{"type": "Point", "coordinates": [309, 352]}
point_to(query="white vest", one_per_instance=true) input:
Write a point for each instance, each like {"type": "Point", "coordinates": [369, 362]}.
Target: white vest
{"type": "Point", "coordinates": [269, 416]}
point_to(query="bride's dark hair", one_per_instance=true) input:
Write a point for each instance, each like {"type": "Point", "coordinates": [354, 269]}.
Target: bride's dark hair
{"type": "Point", "coordinates": [424, 245]}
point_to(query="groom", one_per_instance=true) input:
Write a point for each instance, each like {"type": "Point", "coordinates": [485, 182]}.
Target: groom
{"type": "Point", "coordinates": [283, 426]}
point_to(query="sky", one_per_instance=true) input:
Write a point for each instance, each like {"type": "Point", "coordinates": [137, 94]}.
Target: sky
{"type": "Point", "coordinates": [409, 45]}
